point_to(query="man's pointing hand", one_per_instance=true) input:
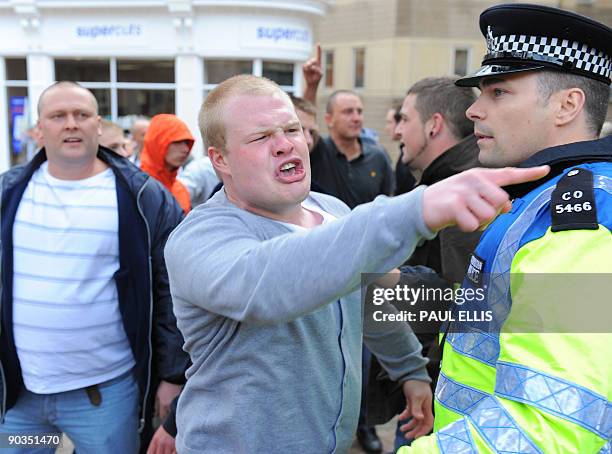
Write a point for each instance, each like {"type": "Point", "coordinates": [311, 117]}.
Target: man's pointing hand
{"type": "Point", "coordinates": [472, 199]}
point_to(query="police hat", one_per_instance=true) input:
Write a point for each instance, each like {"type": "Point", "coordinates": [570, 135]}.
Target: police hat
{"type": "Point", "coordinates": [523, 37]}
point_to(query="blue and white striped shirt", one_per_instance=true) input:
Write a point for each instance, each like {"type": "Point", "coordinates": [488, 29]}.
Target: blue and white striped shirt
{"type": "Point", "coordinates": [66, 320]}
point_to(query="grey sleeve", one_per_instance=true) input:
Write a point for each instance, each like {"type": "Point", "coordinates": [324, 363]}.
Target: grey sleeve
{"type": "Point", "coordinates": [394, 344]}
{"type": "Point", "coordinates": [217, 262]}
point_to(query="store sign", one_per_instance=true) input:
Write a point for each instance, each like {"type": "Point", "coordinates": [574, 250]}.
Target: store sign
{"type": "Point", "coordinates": [112, 34]}
{"type": "Point", "coordinates": [103, 31]}
{"type": "Point", "coordinates": [274, 35]}
{"type": "Point", "coordinates": [286, 34]}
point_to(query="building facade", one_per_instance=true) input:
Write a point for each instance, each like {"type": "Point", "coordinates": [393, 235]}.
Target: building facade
{"type": "Point", "coordinates": [380, 48]}
{"type": "Point", "coordinates": [143, 57]}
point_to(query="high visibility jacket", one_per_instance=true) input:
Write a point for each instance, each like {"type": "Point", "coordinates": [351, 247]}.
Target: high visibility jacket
{"type": "Point", "coordinates": [529, 382]}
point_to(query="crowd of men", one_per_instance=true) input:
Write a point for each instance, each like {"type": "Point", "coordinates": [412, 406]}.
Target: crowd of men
{"type": "Point", "coordinates": [154, 303]}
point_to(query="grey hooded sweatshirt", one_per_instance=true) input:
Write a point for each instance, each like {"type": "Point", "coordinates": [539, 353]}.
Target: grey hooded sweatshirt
{"type": "Point", "coordinates": [273, 321]}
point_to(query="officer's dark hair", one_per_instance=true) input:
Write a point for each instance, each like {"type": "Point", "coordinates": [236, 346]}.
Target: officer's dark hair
{"type": "Point", "coordinates": [331, 101]}
{"type": "Point", "coordinates": [596, 94]}
{"type": "Point", "coordinates": [441, 95]}
{"type": "Point", "coordinates": [64, 83]}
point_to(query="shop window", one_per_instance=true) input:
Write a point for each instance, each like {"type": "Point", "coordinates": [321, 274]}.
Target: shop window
{"type": "Point", "coordinates": [124, 86]}
{"type": "Point", "coordinates": [79, 70]}
{"type": "Point", "coordinates": [359, 67]}
{"type": "Point", "coordinates": [281, 73]}
{"type": "Point", "coordinates": [145, 102]}
{"type": "Point", "coordinates": [103, 96]}
{"type": "Point", "coordinates": [216, 71]}
{"type": "Point", "coordinates": [460, 64]}
{"type": "Point", "coordinates": [16, 69]}
{"type": "Point", "coordinates": [145, 71]}
{"type": "Point", "coordinates": [329, 68]}
{"type": "Point", "coordinates": [21, 141]}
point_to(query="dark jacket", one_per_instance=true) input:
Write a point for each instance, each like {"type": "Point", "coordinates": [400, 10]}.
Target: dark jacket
{"type": "Point", "coordinates": [439, 262]}
{"type": "Point", "coordinates": [404, 179]}
{"type": "Point", "coordinates": [147, 215]}
{"type": "Point", "coordinates": [448, 253]}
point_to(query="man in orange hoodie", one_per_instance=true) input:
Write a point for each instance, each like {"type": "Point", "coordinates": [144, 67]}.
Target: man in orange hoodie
{"type": "Point", "coordinates": [167, 144]}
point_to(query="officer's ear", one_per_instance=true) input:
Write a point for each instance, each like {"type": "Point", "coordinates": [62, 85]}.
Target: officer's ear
{"type": "Point", "coordinates": [569, 105]}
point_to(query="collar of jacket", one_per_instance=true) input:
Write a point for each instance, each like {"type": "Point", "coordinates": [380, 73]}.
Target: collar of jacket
{"type": "Point", "coordinates": [461, 156]}
{"type": "Point", "coordinates": [131, 174]}
{"type": "Point", "coordinates": [560, 158]}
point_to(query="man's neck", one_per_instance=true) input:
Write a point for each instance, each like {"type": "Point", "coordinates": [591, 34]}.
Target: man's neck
{"type": "Point", "coordinates": [437, 149]}
{"type": "Point", "coordinates": [349, 147]}
{"type": "Point", "coordinates": [68, 170]}
{"type": "Point", "coordinates": [296, 214]}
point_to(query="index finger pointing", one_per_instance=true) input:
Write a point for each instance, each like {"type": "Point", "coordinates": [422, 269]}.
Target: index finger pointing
{"type": "Point", "coordinates": [513, 175]}
{"type": "Point", "coordinates": [319, 54]}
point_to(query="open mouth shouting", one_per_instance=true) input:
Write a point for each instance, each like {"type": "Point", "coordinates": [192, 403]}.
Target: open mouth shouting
{"type": "Point", "coordinates": [290, 171]}
{"type": "Point", "coordinates": [72, 140]}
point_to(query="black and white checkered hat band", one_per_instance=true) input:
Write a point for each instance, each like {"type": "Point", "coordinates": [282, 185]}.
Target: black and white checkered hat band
{"type": "Point", "coordinates": [580, 55]}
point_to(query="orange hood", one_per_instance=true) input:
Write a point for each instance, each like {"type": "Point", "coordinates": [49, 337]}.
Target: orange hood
{"type": "Point", "coordinates": [163, 130]}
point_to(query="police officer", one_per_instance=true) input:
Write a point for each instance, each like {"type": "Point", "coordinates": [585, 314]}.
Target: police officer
{"type": "Point", "coordinates": [528, 381]}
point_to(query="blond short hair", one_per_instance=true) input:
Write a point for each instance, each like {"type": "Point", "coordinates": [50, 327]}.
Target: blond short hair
{"type": "Point", "coordinates": [211, 118]}
{"type": "Point", "coordinates": [110, 126]}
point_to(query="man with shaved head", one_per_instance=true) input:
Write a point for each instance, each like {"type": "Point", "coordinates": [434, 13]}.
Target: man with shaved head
{"type": "Point", "coordinates": [85, 289]}
{"type": "Point", "coordinates": [266, 275]}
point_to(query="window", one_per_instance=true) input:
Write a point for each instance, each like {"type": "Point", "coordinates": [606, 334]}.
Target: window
{"type": "Point", "coordinates": [145, 102]}
{"type": "Point", "coordinates": [22, 144]}
{"type": "Point", "coordinates": [124, 87]}
{"type": "Point", "coordinates": [359, 67]}
{"type": "Point", "coordinates": [460, 62]}
{"type": "Point", "coordinates": [104, 101]}
{"type": "Point", "coordinates": [216, 71]}
{"type": "Point", "coordinates": [281, 73]}
{"type": "Point", "coordinates": [329, 68]}
{"type": "Point", "coordinates": [16, 69]}
{"type": "Point", "coordinates": [82, 70]}
{"type": "Point", "coordinates": [154, 71]}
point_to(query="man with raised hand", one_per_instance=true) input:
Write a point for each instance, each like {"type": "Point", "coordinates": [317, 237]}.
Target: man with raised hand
{"type": "Point", "coordinates": [537, 377]}
{"type": "Point", "coordinates": [266, 277]}
{"type": "Point", "coordinates": [87, 328]}
{"type": "Point", "coordinates": [354, 170]}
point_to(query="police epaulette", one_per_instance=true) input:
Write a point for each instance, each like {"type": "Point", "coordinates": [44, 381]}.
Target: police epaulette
{"type": "Point", "coordinates": [572, 202]}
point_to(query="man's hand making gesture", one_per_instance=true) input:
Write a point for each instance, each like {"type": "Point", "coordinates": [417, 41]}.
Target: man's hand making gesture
{"type": "Point", "coordinates": [313, 72]}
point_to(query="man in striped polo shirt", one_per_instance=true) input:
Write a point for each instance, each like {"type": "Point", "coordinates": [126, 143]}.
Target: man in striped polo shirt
{"type": "Point", "coordinates": [84, 287]}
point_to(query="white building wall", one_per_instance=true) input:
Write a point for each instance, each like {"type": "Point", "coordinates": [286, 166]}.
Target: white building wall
{"type": "Point", "coordinates": [189, 71]}
{"type": "Point", "coordinates": [41, 74]}
{"type": "Point", "coordinates": [188, 31]}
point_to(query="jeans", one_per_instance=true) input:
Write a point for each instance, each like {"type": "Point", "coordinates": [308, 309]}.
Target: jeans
{"type": "Point", "coordinates": [111, 427]}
